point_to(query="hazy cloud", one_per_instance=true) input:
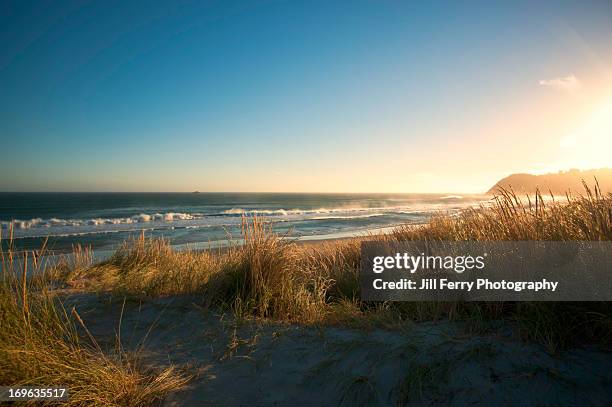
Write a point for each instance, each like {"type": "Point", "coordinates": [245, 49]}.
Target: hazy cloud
{"type": "Point", "coordinates": [567, 83]}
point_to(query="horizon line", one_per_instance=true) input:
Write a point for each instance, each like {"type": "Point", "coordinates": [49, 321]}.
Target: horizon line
{"type": "Point", "coordinates": [235, 192]}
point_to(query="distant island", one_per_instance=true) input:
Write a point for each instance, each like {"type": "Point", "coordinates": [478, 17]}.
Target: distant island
{"type": "Point", "coordinates": [557, 183]}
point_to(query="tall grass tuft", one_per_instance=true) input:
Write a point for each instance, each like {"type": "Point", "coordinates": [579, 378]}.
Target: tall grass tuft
{"type": "Point", "coordinates": [42, 343]}
{"type": "Point", "coordinates": [263, 277]}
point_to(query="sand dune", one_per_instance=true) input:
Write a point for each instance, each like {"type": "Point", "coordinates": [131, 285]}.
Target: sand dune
{"type": "Point", "coordinates": [260, 364]}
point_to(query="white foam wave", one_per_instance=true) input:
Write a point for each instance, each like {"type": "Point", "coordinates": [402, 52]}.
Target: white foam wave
{"type": "Point", "coordinates": [406, 208]}
{"type": "Point", "coordinates": [240, 211]}
{"type": "Point", "coordinates": [347, 216]}
{"type": "Point", "coordinates": [140, 218]}
{"type": "Point", "coordinates": [317, 211]}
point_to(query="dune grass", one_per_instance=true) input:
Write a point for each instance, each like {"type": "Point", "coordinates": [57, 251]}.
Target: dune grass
{"type": "Point", "coordinates": [43, 343]}
{"type": "Point", "coordinates": [270, 276]}
{"type": "Point", "coordinates": [585, 217]}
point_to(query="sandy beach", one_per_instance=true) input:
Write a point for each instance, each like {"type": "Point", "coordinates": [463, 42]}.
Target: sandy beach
{"type": "Point", "coordinates": [240, 363]}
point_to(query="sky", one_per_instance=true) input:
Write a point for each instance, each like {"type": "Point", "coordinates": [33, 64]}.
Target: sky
{"type": "Point", "coordinates": [288, 96]}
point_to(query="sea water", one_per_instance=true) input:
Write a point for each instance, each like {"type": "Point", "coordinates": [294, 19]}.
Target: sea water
{"type": "Point", "coordinates": [104, 220]}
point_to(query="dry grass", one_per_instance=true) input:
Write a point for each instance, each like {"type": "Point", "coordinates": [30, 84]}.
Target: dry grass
{"type": "Point", "coordinates": [42, 343]}
{"type": "Point", "coordinates": [587, 217]}
{"type": "Point", "coordinates": [272, 277]}
{"type": "Point", "coordinates": [262, 277]}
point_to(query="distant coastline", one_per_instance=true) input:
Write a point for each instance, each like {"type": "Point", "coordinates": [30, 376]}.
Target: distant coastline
{"type": "Point", "coordinates": [556, 183]}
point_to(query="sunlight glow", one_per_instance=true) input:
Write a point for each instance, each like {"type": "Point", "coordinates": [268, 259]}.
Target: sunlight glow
{"type": "Point", "coordinates": [590, 144]}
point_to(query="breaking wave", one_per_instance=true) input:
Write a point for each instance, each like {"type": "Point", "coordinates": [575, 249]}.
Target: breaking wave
{"type": "Point", "coordinates": [140, 218]}
{"type": "Point", "coordinates": [331, 217]}
{"type": "Point", "coordinates": [318, 211]}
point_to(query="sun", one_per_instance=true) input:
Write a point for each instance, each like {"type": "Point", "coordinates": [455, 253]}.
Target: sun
{"type": "Point", "coordinates": [590, 144]}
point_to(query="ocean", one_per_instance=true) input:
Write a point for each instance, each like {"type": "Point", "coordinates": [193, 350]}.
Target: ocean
{"type": "Point", "coordinates": [104, 220]}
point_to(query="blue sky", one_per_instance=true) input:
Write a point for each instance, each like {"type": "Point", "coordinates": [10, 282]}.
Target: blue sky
{"type": "Point", "coordinates": [296, 96]}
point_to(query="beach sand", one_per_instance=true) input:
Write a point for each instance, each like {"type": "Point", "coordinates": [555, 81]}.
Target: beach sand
{"type": "Point", "coordinates": [240, 363]}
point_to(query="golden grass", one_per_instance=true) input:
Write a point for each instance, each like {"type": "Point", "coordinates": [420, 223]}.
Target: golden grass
{"type": "Point", "coordinates": [587, 217]}
{"type": "Point", "coordinates": [42, 343]}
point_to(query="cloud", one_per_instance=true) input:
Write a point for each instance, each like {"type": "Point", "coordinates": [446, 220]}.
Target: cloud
{"type": "Point", "coordinates": [567, 83]}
